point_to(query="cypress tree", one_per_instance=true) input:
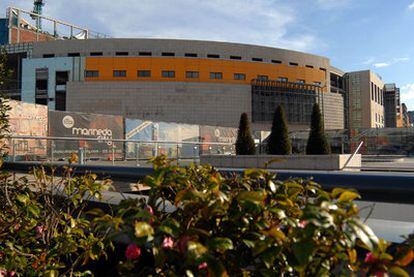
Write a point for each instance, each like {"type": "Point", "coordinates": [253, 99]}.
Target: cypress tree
{"type": "Point", "coordinates": [279, 142]}
{"type": "Point", "coordinates": [317, 142]}
{"type": "Point", "coordinates": [244, 143]}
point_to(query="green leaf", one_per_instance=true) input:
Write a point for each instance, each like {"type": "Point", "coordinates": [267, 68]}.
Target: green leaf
{"type": "Point", "coordinates": [337, 191]}
{"type": "Point", "coordinates": [398, 271]}
{"type": "Point", "coordinates": [196, 250]}
{"type": "Point", "coordinates": [365, 234]}
{"type": "Point", "coordinates": [220, 244]}
{"type": "Point", "coordinates": [143, 229]}
{"type": "Point", "coordinates": [22, 198]}
{"type": "Point", "coordinates": [303, 251]}
{"type": "Point", "coordinates": [348, 196]}
{"type": "Point", "coordinates": [255, 197]}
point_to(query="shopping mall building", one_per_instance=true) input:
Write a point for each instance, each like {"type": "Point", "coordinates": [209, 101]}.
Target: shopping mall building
{"type": "Point", "coordinates": [184, 81]}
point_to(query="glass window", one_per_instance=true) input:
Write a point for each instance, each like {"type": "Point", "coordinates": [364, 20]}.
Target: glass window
{"type": "Point", "coordinates": [194, 55]}
{"type": "Point", "coordinates": [300, 81]}
{"type": "Point", "coordinates": [282, 79]}
{"type": "Point", "coordinates": [293, 64]}
{"type": "Point", "coordinates": [257, 59]}
{"type": "Point", "coordinates": [48, 55]}
{"type": "Point", "coordinates": [91, 73]}
{"type": "Point", "coordinates": [276, 61]}
{"type": "Point", "coordinates": [262, 77]}
{"type": "Point", "coordinates": [213, 56]}
{"type": "Point", "coordinates": [119, 73]}
{"type": "Point", "coordinates": [309, 66]}
{"type": "Point", "coordinates": [239, 76]}
{"type": "Point", "coordinates": [145, 53]}
{"type": "Point", "coordinates": [235, 58]}
{"type": "Point", "coordinates": [168, 74]}
{"type": "Point", "coordinates": [96, 54]}
{"type": "Point", "coordinates": [167, 54]}
{"type": "Point", "coordinates": [192, 74]}
{"type": "Point", "coordinates": [144, 73]}
{"type": "Point", "coordinates": [74, 55]}
{"type": "Point", "coordinates": [216, 75]}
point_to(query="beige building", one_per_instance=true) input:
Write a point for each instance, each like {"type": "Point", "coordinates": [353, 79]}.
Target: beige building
{"type": "Point", "coordinates": [366, 100]}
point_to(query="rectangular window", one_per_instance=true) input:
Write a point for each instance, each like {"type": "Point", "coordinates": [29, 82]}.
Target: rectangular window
{"type": "Point", "coordinates": [119, 73]}
{"type": "Point", "coordinates": [213, 56]}
{"type": "Point", "coordinates": [235, 58]}
{"type": "Point", "coordinates": [293, 64]}
{"type": "Point", "coordinates": [216, 75]}
{"type": "Point", "coordinates": [144, 73]}
{"type": "Point", "coordinates": [92, 54]}
{"type": "Point", "coordinates": [300, 81]}
{"type": "Point", "coordinates": [276, 61]}
{"type": "Point", "coordinates": [48, 55]}
{"type": "Point", "coordinates": [323, 69]}
{"type": "Point", "coordinates": [257, 59]}
{"type": "Point", "coordinates": [317, 83]}
{"type": "Point", "coordinates": [193, 55]}
{"type": "Point", "coordinates": [91, 73]}
{"type": "Point", "coordinates": [239, 76]}
{"type": "Point", "coordinates": [262, 77]}
{"type": "Point", "coordinates": [168, 54]}
{"type": "Point", "coordinates": [192, 74]}
{"type": "Point", "coordinates": [372, 91]}
{"type": "Point", "coordinates": [282, 79]}
{"type": "Point", "coordinates": [145, 53]}
{"type": "Point", "coordinates": [121, 53]}
{"type": "Point", "coordinates": [168, 74]}
{"type": "Point", "coordinates": [309, 66]}
{"type": "Point", "coordinates": [74, 55]}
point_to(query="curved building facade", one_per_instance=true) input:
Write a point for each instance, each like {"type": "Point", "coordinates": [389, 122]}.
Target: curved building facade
{"type": "Point", "coordinates": [196, 82]}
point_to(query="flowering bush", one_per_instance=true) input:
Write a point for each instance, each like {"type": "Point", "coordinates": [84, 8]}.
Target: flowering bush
{"type": "Point", "coordinates": [43, 228]}
{"type": "Point", "coordinates": [245, 225]}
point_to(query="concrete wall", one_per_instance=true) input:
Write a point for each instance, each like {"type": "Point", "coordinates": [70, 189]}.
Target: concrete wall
{"type": "Point", "coordinates": [74, 65]}
{"type": "Point", "coordinates": [333, 110]}
{"type": "Point", "coordinates": [192, 103]}
{"type": "Point", "coordinates": [299, 162]}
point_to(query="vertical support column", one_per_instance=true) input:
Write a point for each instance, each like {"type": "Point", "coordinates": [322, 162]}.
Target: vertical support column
{"type": "Point", "coordinates": [10, 25]}
{"type": "Point", "coordinates": [55, 34]}
{"type": "Point", "coordinates": [18, 26]}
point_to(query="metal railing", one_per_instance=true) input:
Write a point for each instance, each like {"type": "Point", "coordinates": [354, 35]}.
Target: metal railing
{"type": "Point", "coordinates": [106, 150]}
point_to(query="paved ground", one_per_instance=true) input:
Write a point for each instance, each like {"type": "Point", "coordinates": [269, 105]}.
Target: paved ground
{"type": "Point", "coordinates": [402, 164]}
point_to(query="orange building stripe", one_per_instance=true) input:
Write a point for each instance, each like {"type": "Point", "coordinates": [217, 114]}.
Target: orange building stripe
{"type": "Point", "coordinates": [106, 65]}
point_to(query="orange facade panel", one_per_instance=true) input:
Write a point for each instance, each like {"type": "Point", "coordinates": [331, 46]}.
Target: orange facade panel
{"type": "Point", "coordinates": [251, 70]}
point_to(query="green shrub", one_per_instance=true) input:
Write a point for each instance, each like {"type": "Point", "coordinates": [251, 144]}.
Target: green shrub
{"type": "Point", "coordinates": [244, 225]}
{"type": "Point", "coordinates": [43, 228]}
{"type": "Point", "coordinates": [317, 142]}
{"type": "Point", "coordinates": [244, 143]}
{"type": "Point", "coordinates": [278, 142]}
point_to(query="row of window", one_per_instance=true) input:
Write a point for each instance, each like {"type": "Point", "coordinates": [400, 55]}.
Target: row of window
{"type": "Point", "coordinates": [188, 75]}
{"type": "Point", "coordinates": [172, 54]}
{"type": "Point", "coordinates": [377, 94]}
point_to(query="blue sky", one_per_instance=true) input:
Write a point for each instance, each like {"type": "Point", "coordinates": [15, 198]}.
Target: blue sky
{"type": "Point", "coordinates": [354, 34]}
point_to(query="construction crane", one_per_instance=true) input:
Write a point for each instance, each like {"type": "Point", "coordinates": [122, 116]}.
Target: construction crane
{"type": "Point", "coordinates": [37, 9]}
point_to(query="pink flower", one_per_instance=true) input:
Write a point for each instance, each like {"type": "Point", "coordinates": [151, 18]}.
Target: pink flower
{"type": "Point", "coordinates": [202, 266]}
{"type": "Point", "coordinates": [3, 272]}
{"type": "Point", "coordinates": [39, 231]}
{"type": "Point", "coordinates": [149, 209]}
{"type": "Point", "coordinates": [168, 243]}
{"type": "Point", "coordinates": [132, 252]}
{"type": "Point", "coordinates": [303, 223]}
{"type": "Point", "coordinates": [12, 273]}
{"type": "Point", "coordinates": [370, 259]}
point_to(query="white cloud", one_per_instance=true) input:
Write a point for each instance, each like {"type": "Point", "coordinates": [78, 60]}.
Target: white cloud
{"type": "Point", "coordinates": [265, 22]}
{"type": "Point", "coordinates": [380, 65]}
{"type": "Point", "coordinates": [411, 6]}
{"type": "Point", "coordinates": [407, 93]}
{"type": "Point", "coordinates": [391, 62]}
{"type": "Point", "coordinates": [369, 61]}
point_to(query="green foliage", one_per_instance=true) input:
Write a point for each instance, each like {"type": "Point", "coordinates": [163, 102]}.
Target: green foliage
{"type": "Point", "coordinates": [248, 225]}
{"type": "Point", "coordinates": [278, 142]}
{"type": "Point", "coordinates": [317, 142]}
{"type": "Point", "coordinates": [43, 228]}
{"type": "Point", "coordinates": [4, 107]}
{"type": "Point", "coordinates": [244, 143]}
